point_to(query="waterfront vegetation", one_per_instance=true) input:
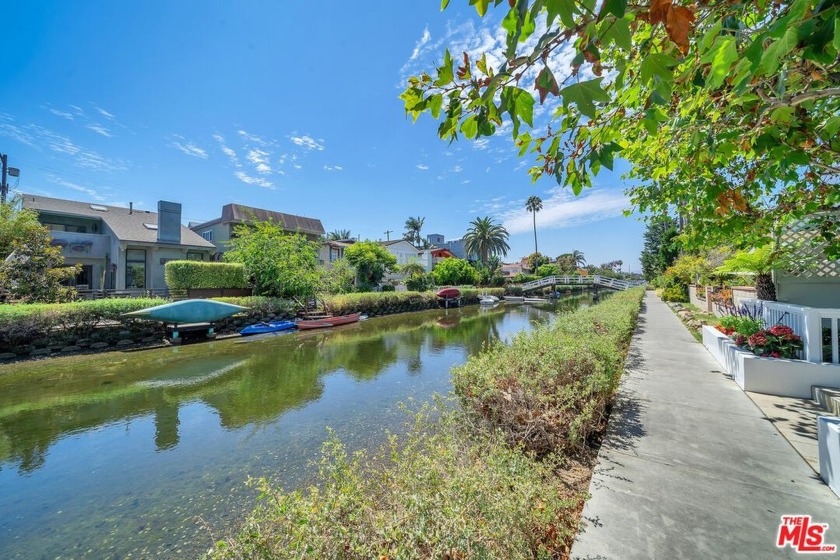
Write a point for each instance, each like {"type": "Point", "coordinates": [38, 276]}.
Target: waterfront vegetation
{"type": "Point", "coordinates": [470, 478]}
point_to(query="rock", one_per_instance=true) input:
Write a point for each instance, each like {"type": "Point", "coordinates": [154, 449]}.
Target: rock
{"type": "Point", "coordinates": [71, 348]}
{"type": "Point", "coordinates": [124, 334]}
{"type": "Point", "coordinates": [41, 352]}
{"type": "Point", "coordinates": [8, 356]}
{"type": "Point", "coordinates": [150, 339]}
{"type": "Point", "coordinates": [125, 342]}
{"type": "Point", "coordinates": [25, 349]}
{"type": "Point", "coordinates": [98, 345]}
{"type": "Point", "coordinates": [83, 342]}
{"type": "Point", "coordinates": [55, 347]}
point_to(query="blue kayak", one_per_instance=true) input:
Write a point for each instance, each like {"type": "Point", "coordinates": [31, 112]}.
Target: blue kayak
{"type": "Point", "coordinates": [269, 327]}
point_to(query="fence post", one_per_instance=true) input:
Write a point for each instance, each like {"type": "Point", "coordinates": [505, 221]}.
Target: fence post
{"type": "Point", "coordinates": [812, 341]}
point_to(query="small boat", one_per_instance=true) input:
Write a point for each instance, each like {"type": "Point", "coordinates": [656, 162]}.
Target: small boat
{"type": "Point", "coordinates": [514, 299]}
{"type": "Point", "coordinates": [323, 322]}
{"type": "Point", "coordinates": [488, 300]}
{"type": "Point", "coordinates": [188, 311]}
{"type": "Point", "coordinates": [267, 327]}
{"type": "Point", "coordinates": [535, 300]}
{"type": "Point", "coordinates": [449, 293]}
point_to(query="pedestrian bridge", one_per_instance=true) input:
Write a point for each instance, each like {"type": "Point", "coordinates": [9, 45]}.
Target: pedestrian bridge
{"type": "Point", "coordinates": [594, 280]}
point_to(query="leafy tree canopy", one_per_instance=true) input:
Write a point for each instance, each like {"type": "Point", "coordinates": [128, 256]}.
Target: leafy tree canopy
{"type": "Point", "coordinates": [282, 264]}
{"type": "Point", "coordinates": [455, 272]}
{"type": "Point", "coordinates": [728, 112]}
{"type": "Point", "coordinates": [371, 261]}
{"type": "Point", "coordinates": [486, 239]}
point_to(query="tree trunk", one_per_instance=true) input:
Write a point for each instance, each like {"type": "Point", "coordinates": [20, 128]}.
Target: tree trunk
{"type": "Point", "coordinates": [764, 287]}
{"type": "Point", "coordinates": [535, 233]}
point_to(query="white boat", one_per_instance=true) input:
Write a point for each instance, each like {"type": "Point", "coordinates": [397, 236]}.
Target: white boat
{"type": "Point", "coordinates": [514, 299]}
{"type": "Point", "coordinates": [488, 300]}
{"type": "Point", "coordinates": [535, 300]}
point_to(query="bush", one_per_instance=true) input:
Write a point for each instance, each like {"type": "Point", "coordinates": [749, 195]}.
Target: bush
{"type": "Point", "coordinates": [21, 324]}
{"type": "Point", "coordinates": [521, 278]}
{"type": "Point", "coordinates": [183, 275]}
{"type": "Point", "coordinates": [380, 303]}
{"type": "Point", "coordinates": [511, 290]}
{"type": "Point", "coordinates": [444, 491]}
{"type": "Point", "coordinates": [420, 282]}
{"type": "Point", "coordinates": [451, 272]}
{"type": "Point", "coordinates": [388, 288]}
{"type": "Point", "coordinates": [549, 389]}
{"type": "Point", "coordinates": [744, 325]}
{"type": "Point", "coordinates": [677, 294]}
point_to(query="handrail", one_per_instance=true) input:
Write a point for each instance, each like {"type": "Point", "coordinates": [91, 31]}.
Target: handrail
{"type": "Point", "coordinates": [605, 281]}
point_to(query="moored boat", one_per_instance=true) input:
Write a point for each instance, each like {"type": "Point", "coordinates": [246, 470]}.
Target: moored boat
{"type": "Point", "coordinates": [488, 300]}
{"type": "Point", "coordinates": [267, 327]}
{"type": "Point", "coordinates": [324, 322]}
{"type": "Point", "coordinates": [188, 311]}
{"type": "Point", "coordinates": [449, 293]}
{"type": "Point", "coordinates": [535, 300]}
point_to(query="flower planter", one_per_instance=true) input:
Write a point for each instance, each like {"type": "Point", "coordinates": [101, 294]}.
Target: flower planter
{"type": "Point", "coordinates": [773, 376]}
{"type": "Point", "coordinates": [828, 439]}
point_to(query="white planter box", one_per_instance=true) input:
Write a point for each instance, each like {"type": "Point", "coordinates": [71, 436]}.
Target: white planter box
{"type": "Point", "coordinates": [773, 376]}
{"type": "Point", "coordinates": [828, 436]}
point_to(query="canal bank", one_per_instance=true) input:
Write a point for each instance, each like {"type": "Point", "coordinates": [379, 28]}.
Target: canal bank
{"type": "Point", "coordinates": [145, 454]}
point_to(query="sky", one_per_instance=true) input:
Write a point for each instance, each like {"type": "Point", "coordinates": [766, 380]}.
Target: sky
{"type": "Point", "coordinates": [288, 106]}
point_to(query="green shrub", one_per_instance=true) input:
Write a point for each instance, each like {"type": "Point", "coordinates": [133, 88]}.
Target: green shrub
{"type": "Point", "coordinates": [22, 323]}
{"type": "Point", "coordinates": [548, 390]}
{"type": "Point", "coordinates": [442, 491]}
{"type": "Point", "coordinates": [380, 303]}
{"type": "Point", "coordinates": [521, 278]}
{"type": "Point", "coordinates": [744, 325]}
{"type": "Point", "coordinates": [388, 288]}
{"type": "Point", "coordinates": [420, 282]}
{"type": "Point", "coordinates": [183, 275]}
{"type": "Point", "coordinates": [261, 307]}
{"type": "Point", "coordinates": [451, 272]}
{"type": "Point", "coordinates": [677, 294]}
{"type": "Point", "coordinates": [511, 290]}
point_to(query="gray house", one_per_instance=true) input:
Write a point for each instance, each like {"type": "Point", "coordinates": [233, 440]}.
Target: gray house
{"type": "Point", "coordinates": [118, 248]}
{"type": "Point", "coordinates": [220, 230]}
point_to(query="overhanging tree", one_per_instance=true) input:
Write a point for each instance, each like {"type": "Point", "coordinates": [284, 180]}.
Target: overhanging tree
{"type": "Point", "coordinates": [728, 112]}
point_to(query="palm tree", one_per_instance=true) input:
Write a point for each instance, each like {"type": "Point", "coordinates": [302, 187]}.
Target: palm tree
{"type": "Point", "coordinates": [413, 268]}
{"type": "Point", "coordinates": [486, 238]}
{"type": "Point", "coordinates": [580, 259]}
{"type": "Point", "coordinates": [339, 234]}
{"type": "Point", "coordinates": [534, 205]}
{"type": "Point", "coordinates": [412, 230]}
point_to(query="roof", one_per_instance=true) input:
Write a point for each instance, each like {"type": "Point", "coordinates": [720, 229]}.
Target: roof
{"type": "Point", "coordinates": [238, 214]}
{"type": "Point", "coordinates": [394, 242]}
{"type": "Point", "coordinates": [127, 225]}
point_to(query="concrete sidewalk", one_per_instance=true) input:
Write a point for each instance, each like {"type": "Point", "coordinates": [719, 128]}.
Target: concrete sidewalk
{"type": "Point", "coordinates": [690, 467]}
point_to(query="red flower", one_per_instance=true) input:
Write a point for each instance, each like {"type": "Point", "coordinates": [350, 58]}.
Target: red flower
{"type": "Point", "coordinates": [775, 355]}
{"type": "Point", "coordinates": [740, 340]}
{"type": "Point", "coordinates": [758, 339]}
{"type": "Point", "coordinates": [781, 330]}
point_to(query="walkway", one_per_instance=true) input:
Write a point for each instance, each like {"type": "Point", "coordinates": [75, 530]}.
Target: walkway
{"type": "Point", "coordinates": [690, 467]}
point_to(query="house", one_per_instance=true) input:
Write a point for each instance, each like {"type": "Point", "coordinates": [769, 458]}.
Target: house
{"type": "Point", "coordinates": [434, 256]}
{"type": "Point", "coordinates": [509, 270]}
{"type": "Point", "coordinates": [816, 281]}
{"type": "Point", "coordinates": [455, 246]}
{"type": "Point", "coordinates": [220, 230]}
{"type": "Point", "coordinates": [331, 251]}
{"type": "Point", "coordinates": [118, 248]}
{"type": "Point", "coordinates": [406, 253]}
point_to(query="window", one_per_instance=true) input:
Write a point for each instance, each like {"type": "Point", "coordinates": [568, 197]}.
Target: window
{"type": "Point", "coordinates": [194, 256]}
{"type": "Point", "coordinates": [135, 268]}
{"type": "Point", "coordinates": [208, 235]}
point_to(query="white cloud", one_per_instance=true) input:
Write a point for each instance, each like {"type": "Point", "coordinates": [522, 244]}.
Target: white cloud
{"type": "Point", "coordinates": [99, 129]}
{"type": "Point", "coordinates": [422, 166]}
{"type": "Point", "coordinates": [251, 137]}
{"type": "Point", "coordinates": [93, 193]}
{"type": "Point", "coordinates": [457, 169]}
{"type": "Point", "coordinates": [420, 44]}
{"type": "Point", "coordinates": [481, 143]}
{"type": "Point", "coordinates": [333, 168]}
{"type": "Point", "coordinates": [103, 112]}
{"type": "Point", "coordinates": [563, 210]}
{"type": "Point", "coordinates": [187, 147]}
{"type": "Point", "coordinates": [308, 142]}
{"type": "Point", "coordinates": [62, 114]}
{"type": "Point", "coordinates": [258, 181]}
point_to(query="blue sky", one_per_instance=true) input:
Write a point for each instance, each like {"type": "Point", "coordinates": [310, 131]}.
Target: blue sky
{"type": "Point", "coordinates": [288, 106]}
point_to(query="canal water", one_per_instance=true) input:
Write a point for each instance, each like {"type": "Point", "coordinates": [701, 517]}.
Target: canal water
{"type": "Point", "coordinates": [145, 454]}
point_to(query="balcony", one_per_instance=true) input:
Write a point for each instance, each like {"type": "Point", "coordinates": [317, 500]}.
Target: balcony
{"type": "Point", "coordinates": [81, 245]}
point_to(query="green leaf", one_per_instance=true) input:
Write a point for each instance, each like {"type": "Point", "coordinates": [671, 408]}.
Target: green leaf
{"type": "Point", "coordinates": [619, 33]}
{"type": "Point", "coordinates": [778, 49]}
{"type": "Point", "coordinates": [520, 105]}
{"type": "Point", "coordinates": [836, 41]}
{"type": "Point", "coordinates": [782, 115]}
{"type": "Point", "coordinates": [832, 125]}
{"type": "Point", "coordinates": [585, 95]}
{"type": "Point", "coordinates": [710, 36]}
{"type": "Point", "coordinates": [470, 127]}
{"type": "Point", "coordinates": [721, 56]}
{"type": "Point", "coordinates": [434, 103]}
{"type": "Point", "coordinates": [445, 74]}
{"type": "Point", "coordinates": [443, 4]}
{"type": "Point", "coordinates": [480, 6]}
{"type": "Point", "coordinates": [657, 64]}
{"type": "Point", "coordinates": [615, 7]}
{"type": "Point", "coordinates": [565, 9]}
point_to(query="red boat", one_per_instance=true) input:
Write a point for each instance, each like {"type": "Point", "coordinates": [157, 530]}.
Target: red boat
{"type": "Point", "coordinates": [449, 293]}
{"type": "Point", "coordinates": [323, 322]}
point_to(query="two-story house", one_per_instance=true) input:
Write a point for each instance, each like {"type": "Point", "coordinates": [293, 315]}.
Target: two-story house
{"type": "Point", "coordinates": [220, 231]}
{"type": "Point", "coordinates": [118, 248]}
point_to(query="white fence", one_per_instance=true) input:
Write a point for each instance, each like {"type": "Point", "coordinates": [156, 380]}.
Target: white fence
{"type": "Point", "coordinates": [813, 324]}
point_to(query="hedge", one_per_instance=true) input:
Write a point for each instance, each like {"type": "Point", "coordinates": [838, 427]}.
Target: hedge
{"type": "Point", "coordinates": [183, 275]}
{"type": "Point", "coordinates": [22, 323]}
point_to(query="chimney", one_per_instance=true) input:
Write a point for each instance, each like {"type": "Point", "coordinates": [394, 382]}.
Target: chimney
{"type": "Point", "coordinates": [169, 222]}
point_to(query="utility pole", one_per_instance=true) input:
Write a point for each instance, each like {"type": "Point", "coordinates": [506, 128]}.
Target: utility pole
{"type": "Point", "coordinates": [387, 232]}
{"type": "Point", "coordinates": [10, 171]}
{"type": "Point", "coordinates": [4, 188]}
